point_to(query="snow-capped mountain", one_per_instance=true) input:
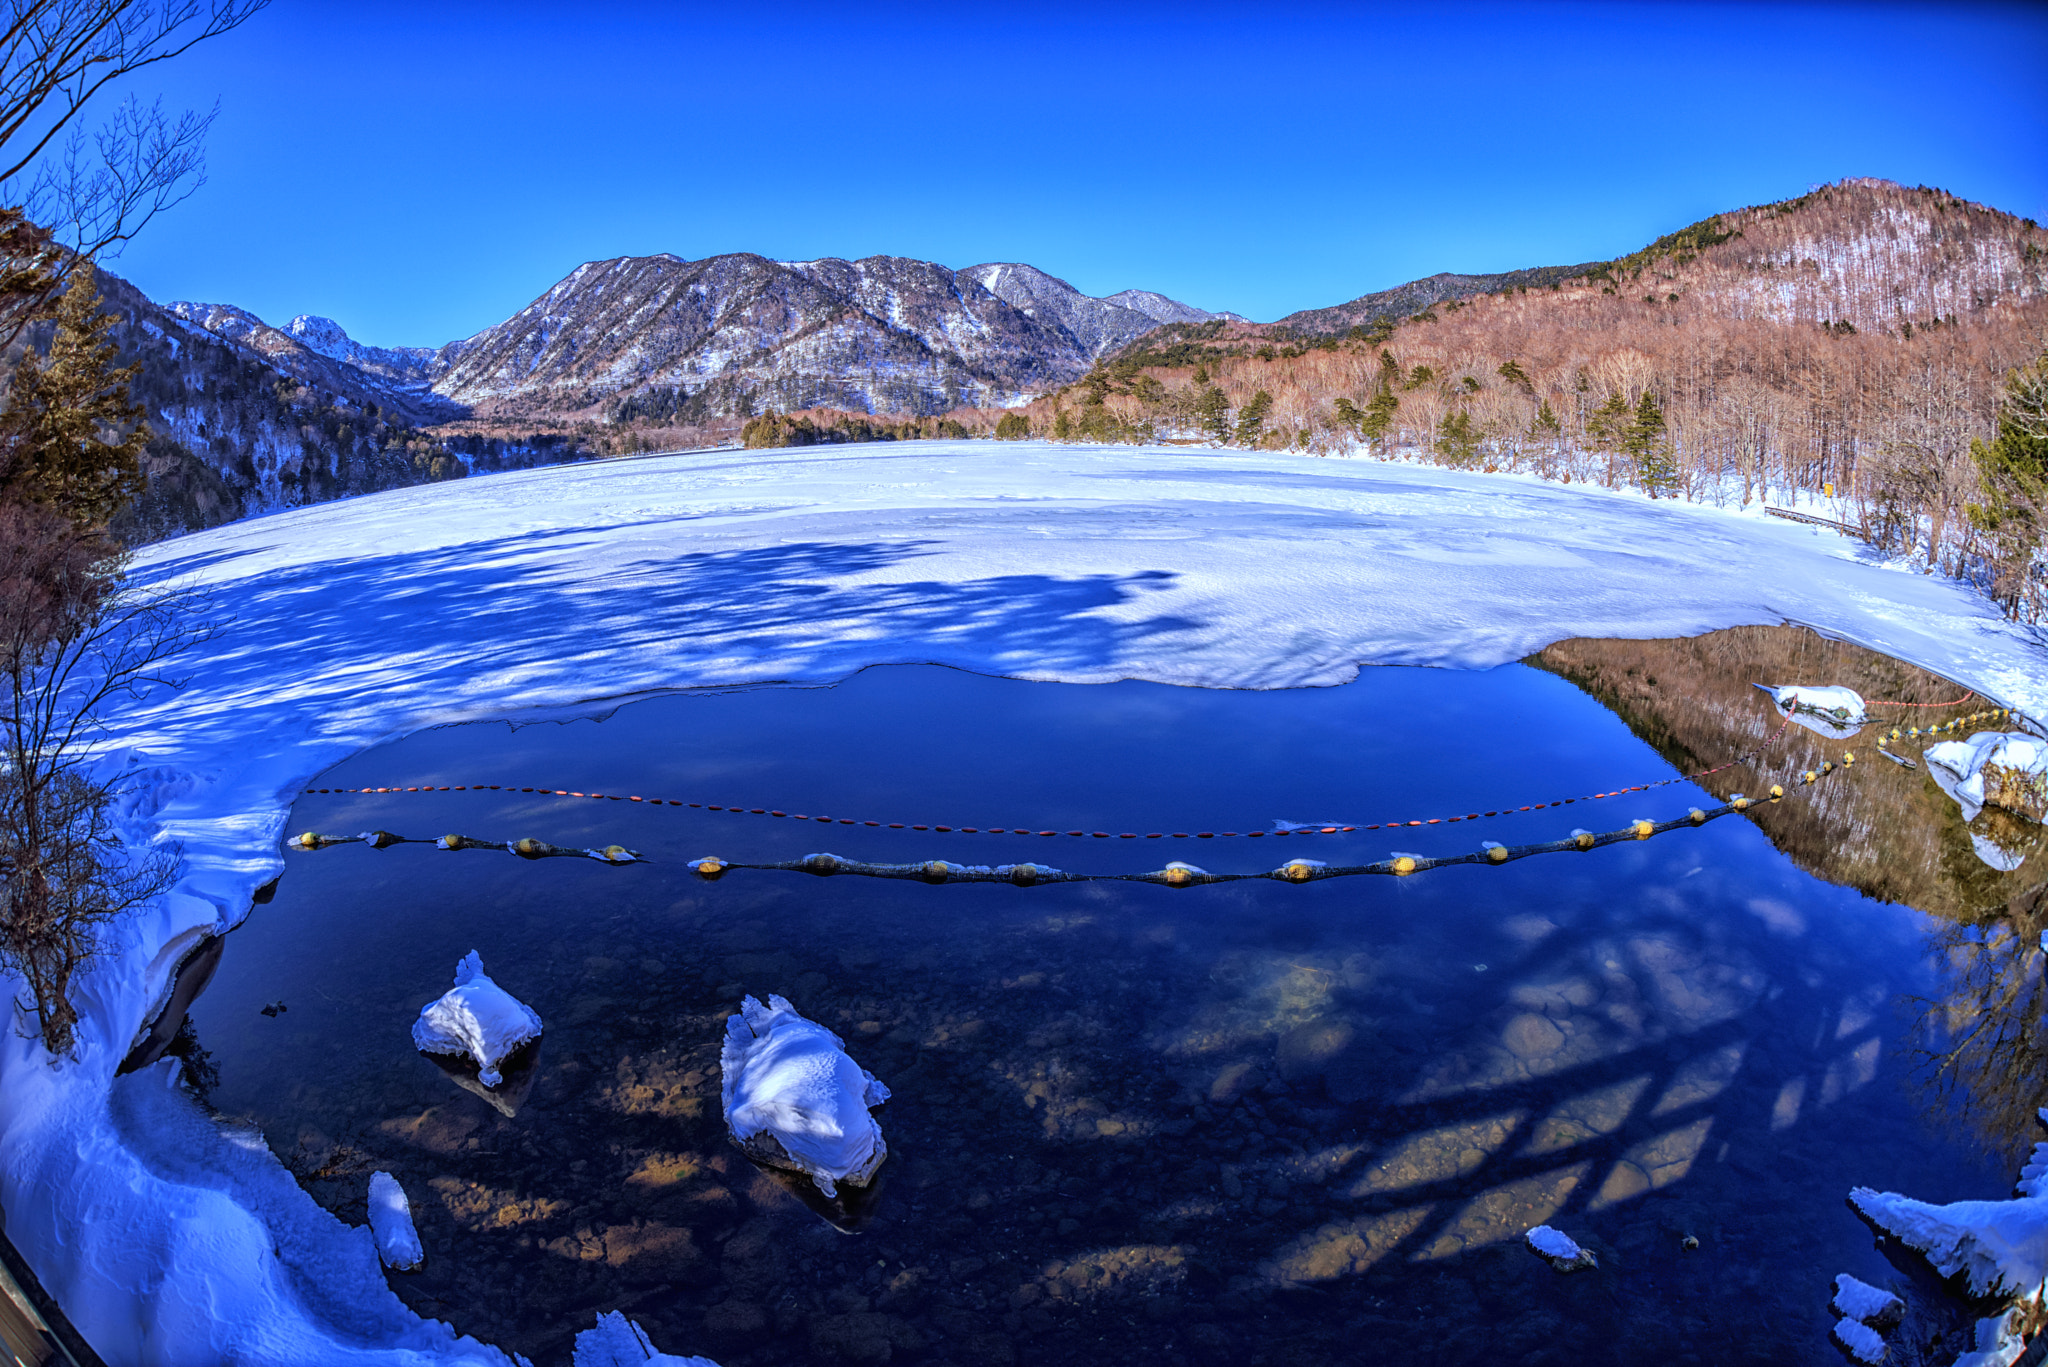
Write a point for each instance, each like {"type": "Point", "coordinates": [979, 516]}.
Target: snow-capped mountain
{"type": "Point", "coordinates": [740, 333]}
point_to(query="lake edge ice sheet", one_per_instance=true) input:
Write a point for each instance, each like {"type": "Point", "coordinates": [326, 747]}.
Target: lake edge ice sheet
{"type": "Point", "coordinates": [356, 622]}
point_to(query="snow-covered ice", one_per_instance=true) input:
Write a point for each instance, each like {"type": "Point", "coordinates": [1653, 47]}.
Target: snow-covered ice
{"type": "Point", "coordinates": [398, 1243]}
{"type": "Point", "coordinates": [794, 1099]}
{"type": "Point", "coordinates": [352, 623]}
{"type": "Point", "coordinates": [2001, 768]}
{"type": "Point", "coordinates": [619, 1342]}
{"type": "Point", "coordinates": [475, 1017]}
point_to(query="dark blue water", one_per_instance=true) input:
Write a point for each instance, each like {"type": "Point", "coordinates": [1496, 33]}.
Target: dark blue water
{"type": "Point", "coordinates": [1251, 1123]}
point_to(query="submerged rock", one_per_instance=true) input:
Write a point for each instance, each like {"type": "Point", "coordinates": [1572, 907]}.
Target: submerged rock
{"type": "Point", "coordinates": [1834, 712]}
{"type": "Point", "coordinates": [398, 1243]}
{"type": "Point", "coordinates": [619, 1342]}
{"type": "Point", "coordinates": [1559, 1249]}
{"type": "Point", "coordinates": [477, 1018]}
{"type": "Point", "coordinates": [795, 1100]}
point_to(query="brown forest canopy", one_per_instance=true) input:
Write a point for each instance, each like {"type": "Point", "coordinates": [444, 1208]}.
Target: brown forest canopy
{"type": "Point", "coordinates": [1849, 346]}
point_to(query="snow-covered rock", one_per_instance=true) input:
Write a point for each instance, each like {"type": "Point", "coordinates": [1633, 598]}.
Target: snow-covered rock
{"type": "Point", "coordinates": [1833, 711]}
{"type": "Point", "coordinates": [1993, 768]}
{"type": "Point", "coordinates": [1559, 1249]}
{"type": "Point", "coordinates": [476, 1017]}
{"type": "Point", "coordinates": [398, 1243]}
{"type": "Point", "coordinates": [1860, 1341]}
{"type": "Point", "coordinates": [794, 1099]}
{"type": "Point", "coordinates": [1859, 1300]}
{"type": "Point", "coordinates": [620, 1342]}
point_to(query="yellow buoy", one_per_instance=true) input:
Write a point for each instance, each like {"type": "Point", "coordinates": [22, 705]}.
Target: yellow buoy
{"type": "Point", "coordinates": [937, 871]}
{"type": "Point", "coordinates": [1583, 839]}
{"type": "Point", "coordinates": [618, 854]}
{"type": "Point", "coordinates": [1696, 816]}
{"type": "Point", "coordinates": [1403, 866]}
{"type": "Point", "coordinates": [1643, 829]}
{"type": "Point", "coordinates": [1739, 803]}
{"type": "Point", "coordinates": [1848, 757]}
{"type": "Point", "coordinates": [710, 867]}
{"type": "Point", "coordinates": [1497, 853]}
{"type": "Point", "coordinates": [1777, 791]}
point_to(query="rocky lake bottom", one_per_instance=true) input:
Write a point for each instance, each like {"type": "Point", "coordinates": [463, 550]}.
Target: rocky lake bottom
{"type": "Point", "coordinates": [1246, 1123]}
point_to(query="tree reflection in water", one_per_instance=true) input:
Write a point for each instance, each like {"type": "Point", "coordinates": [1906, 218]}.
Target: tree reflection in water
{"type": "Point", "coordinates": [1980, 1040]}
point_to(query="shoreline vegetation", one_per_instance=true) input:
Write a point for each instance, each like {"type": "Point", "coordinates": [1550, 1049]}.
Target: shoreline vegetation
{"type": "Point", "coordinates": [1720, 364]}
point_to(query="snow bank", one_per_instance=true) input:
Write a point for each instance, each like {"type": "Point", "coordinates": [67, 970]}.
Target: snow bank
{"type": "Point", "coordinates": [619, 1342]}
{"type": "Point", "coordinates": [1995, 768]}
{"type": "Point", "coordinates": [2000, 1248]}
{"type": "Point", "coordinates": [793, 1099]}
{"type": "Point", "coordinates": [353, 623]}
{"type": "Point", "coordinates": [476, 1017]}
{"type": "Point", "coordinates": [398, 1243]}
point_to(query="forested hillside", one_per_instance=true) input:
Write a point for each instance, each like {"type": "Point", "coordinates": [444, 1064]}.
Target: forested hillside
{"type": "Point", "coordinates": [1849, 345]}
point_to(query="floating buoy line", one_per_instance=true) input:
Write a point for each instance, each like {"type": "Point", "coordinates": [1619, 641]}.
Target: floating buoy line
{"type": "Point", "coordinates": [739, 810]}
{"type": "Point", "coordinates": [1175, 874]}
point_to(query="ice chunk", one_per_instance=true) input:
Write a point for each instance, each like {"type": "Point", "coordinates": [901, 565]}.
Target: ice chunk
{"type": "Point", "coordinates": [793, 1099]}
{"type": "Point", "coordinates": [1861, 1301]}
{"type": "Point", "coordinates": [478, 1018]}
{"type": "Point", "coordinates": [398, 1243]}
{"type": "Point", "coordinates": [1559, 1249]}
{"type": "Point", "coordinates": [619, 1342]}
{"type": "Point", "coordinates": [1833, 711]}
{"type": "Point", "coordinates": [1858, 1340]}
{"type": "Point", "coordinates": [1993, 768]}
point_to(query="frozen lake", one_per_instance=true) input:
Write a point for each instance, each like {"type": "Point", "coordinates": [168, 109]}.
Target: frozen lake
{"type": "Point", "coordinates": [1243, 1123]}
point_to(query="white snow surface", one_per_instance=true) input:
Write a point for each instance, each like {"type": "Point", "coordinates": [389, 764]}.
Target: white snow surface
{"type": "Point", "coordinates": [1958, 765]}
{"type": "Point", "coordinates": [789, 1077]}
{"type": "Point", "coordinates": [352, 623]}
{"type": "Point", "coordinates": [475, 1017]}
{"type": "Point", "coordinates": [398, 1242]}
{"type": "Point", "coordinates": [619, 1342]}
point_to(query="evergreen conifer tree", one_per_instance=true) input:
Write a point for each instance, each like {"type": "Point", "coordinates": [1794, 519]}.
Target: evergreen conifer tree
{"type": "Point", "coordinates": [1643, 441]}
{"type": "Point", "coordinates": [1214, 408]}
{"type": "Point", "coordinates": [1251, 419]}
{"type": "Point", "coordinates": [63, 407]}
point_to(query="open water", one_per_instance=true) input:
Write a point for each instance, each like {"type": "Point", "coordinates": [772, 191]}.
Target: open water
{"type": "Point", "coordinates": [1250, 1124]}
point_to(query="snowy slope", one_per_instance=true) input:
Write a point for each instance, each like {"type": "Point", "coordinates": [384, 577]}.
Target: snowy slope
{"type": "Point", "coordinates": [353, 622]}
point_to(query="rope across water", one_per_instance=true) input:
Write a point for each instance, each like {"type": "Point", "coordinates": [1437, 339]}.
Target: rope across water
{"type": "Point", "coordinates": [737, 809]}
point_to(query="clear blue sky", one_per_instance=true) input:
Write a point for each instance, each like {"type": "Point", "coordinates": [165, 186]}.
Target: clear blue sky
{"type": "Point", "coordinates": [419, 171]}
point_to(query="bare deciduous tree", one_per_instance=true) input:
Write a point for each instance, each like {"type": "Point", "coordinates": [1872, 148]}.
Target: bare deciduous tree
{"type": "Point", "coordinates": [94, 190]}
{"type": "Point", "coordinates": [75, 638]}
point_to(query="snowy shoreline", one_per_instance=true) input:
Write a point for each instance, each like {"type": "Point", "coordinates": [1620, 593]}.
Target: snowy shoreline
{"type": "Point", "coordinates": [353, 623]}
